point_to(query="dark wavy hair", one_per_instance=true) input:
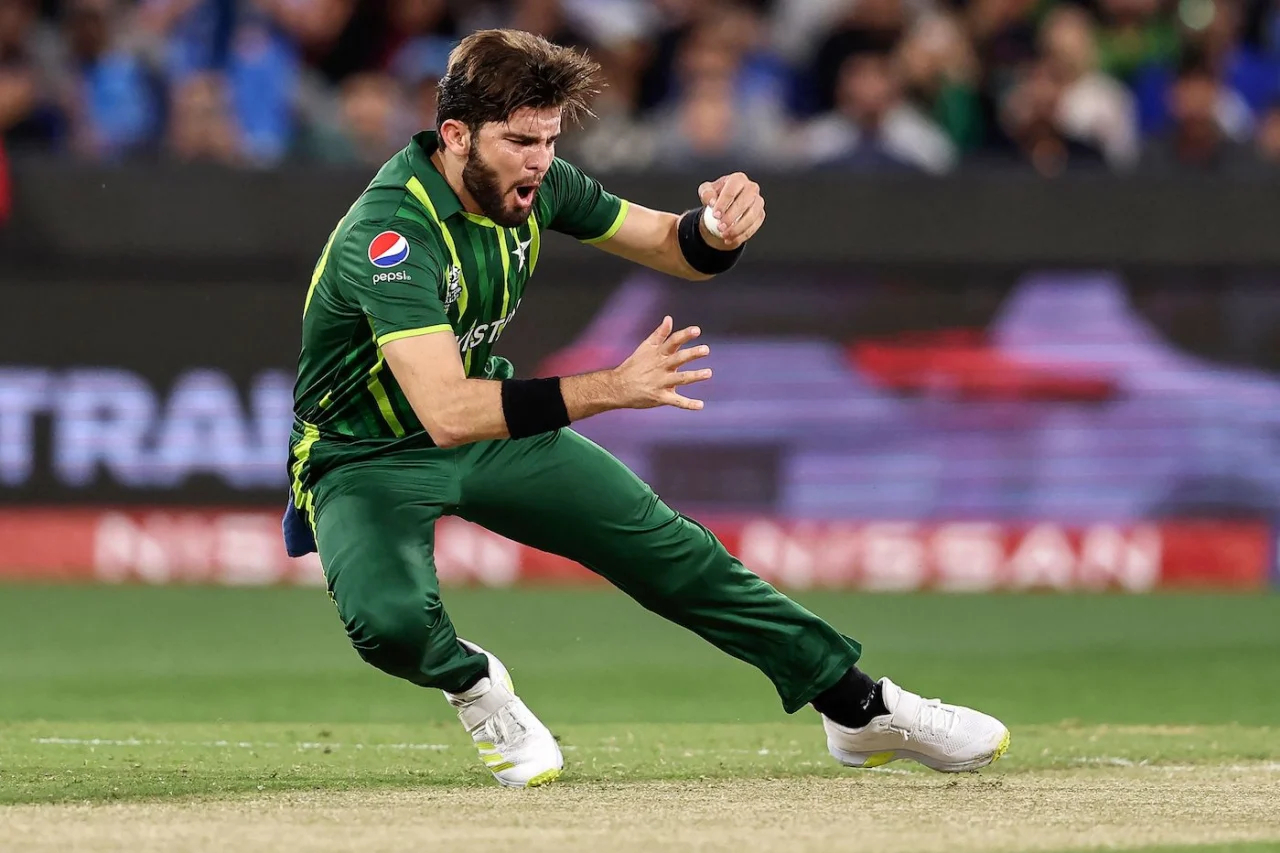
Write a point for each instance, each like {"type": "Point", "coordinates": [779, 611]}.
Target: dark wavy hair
{"type": "Point", "coordinates": [494, 73]}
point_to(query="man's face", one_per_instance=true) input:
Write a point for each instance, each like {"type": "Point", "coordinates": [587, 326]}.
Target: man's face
{"type": "Point", "coordinates": [508, 161]}
{"type": "Point", "coordinates": [1195, 101]}
{"type": "Point", "coordinates": [16, 19]}
{"type": "Point", "coordinates": [868, 89]}
{"type": "Point", "coordinates": [88, 28]}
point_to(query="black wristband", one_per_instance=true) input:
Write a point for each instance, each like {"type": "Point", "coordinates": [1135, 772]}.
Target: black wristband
{"type": "Point", "coordinates": [533, 406]}
{"type": "Point", "coordinates": [697, 252]}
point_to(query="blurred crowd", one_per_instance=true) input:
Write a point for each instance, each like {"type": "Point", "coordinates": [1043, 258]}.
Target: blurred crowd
{"type": "Point", "coordinates": [930, 86]}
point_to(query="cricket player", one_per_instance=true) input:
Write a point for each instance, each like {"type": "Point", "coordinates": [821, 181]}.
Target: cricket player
{"type": "Point", "coordinates": [402, 415]}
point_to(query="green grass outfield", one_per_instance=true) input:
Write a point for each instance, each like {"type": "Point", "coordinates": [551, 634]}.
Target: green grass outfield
{"type": "Point", "coordinates": [158, 719]}
{"type": "Point", "coordinates": [136, 693]}
{"type": "Point", "coordinates": [194, 655]}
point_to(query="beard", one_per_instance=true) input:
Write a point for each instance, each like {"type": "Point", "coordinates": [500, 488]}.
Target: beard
{"type": "Point", "coordinates": [481, 181]}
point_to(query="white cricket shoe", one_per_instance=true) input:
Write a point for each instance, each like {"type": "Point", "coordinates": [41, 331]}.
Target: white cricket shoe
{"type": "Point", "coordinates": [514, 744]}
{"type": "Point", "coordinates": [949, 738]}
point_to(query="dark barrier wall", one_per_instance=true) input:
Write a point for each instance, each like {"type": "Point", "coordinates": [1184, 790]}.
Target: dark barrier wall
{"type": "Point", "coordinates": [838, 390]}
{"type": "Point", "coordinates": [263, 224]}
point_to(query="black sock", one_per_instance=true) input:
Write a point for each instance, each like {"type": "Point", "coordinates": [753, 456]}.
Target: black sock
{"type": "Point", "coordinates": [852, 701]}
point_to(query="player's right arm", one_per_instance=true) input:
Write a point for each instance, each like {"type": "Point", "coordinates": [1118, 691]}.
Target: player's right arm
{"type": "Point", "coordinates": [457, 410]}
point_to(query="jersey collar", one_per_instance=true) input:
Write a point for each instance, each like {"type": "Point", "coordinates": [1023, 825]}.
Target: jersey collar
{"type": "Point", "coordinates": [446, 201]}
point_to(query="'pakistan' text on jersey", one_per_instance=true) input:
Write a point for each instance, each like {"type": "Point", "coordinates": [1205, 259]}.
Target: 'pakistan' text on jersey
{"type": "Point", "coordinates": [408, 260]}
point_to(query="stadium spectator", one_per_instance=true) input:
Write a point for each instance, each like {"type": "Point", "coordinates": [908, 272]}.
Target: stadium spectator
{"type": "Point", "coordinates": [798, 26]}
{"type": "Point", "coordinates": [1219, 35]}
{"type": "Point", "coordinates": [337, 38]}
{"type": "Point", "coordinates": [762, 78]}
{"type": "Point", "coordinates": [617, 139]}
{"type": "Point", "coordinates": [107, 92]}
{"type": "Point", "coordinates": [1030, 118]}
{"type": "Point", "coordinates": [188, 35]}
{"type": "Point", "coordinates": [28, 117]}
{"type": "Point", "coordinates": [372, 123]}
{"type": "Point", "coordinates": [675, 21]}
{"type": "Point", "coordinates": [202, 126]}
{"type": "Point", "coordinates": [1005, 36]}
{"type": "Point", "coordinates": [1093, 107]}
{"type": "Point", "coordinates": [263, 72]}
{"type": "Point", "coordinates": [547, 18]}
{"type": "Point", "coordinates": [1213, 34]}
{"type": "Point", "coordinates": [375, 121]}
{"type": "Point", "coordinates": [423, 100]}
{"type": "Point", "coordinates": [873, 127]}
{"type": "Point", "coordinates": [761, 83]}
{"type": "Point", "coordinates": [715, 119]}
{"type": "Point", "coordinates": [242, 41]}
{"type": "Point", "coordinates": [941, 72]}
{"type": "Point", "coordinates": [702, 130]}
{"type": "Point", "coordinates": [1268, 139]}
{"type": "Point", "coordinates": [732, 29]}
{"type": "Point", "coordinates": [1198, 140]}
{"type": "Point", "coordinates": [1136, 35]}
{"type": "Point", "coordinates": [420, 36]}
{"type": "Point", "coordinates": [875, 26]}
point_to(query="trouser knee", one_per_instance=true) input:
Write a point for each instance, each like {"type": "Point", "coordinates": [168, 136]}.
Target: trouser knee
{"type": "Point", "coordinates": [401, 639]}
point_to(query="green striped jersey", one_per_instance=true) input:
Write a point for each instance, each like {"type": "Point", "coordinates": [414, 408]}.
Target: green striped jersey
{"type": "Point", "coordinates": [407, 259]}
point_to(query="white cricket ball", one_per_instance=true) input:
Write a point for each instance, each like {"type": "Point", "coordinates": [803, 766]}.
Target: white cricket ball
{"type": "Point", "coordinates": [713, 224]}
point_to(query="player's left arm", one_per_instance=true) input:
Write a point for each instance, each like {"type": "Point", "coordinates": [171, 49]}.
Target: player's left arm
{"type": "Point", "coordinates": [653, 237]}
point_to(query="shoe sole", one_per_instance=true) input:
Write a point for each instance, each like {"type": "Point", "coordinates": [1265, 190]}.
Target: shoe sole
{"type": "Point", "coordinates": [544, 778]}
{"type": "Point", "coordinates": [879, 759]}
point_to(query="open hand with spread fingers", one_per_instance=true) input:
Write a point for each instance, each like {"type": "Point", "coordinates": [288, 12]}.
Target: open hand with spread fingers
{"type": "Point", "coordinates": [651, 375]}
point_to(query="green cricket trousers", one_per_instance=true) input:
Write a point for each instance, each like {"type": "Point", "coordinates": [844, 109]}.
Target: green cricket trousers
{"type": "Point", "coordinates": [563, 494]}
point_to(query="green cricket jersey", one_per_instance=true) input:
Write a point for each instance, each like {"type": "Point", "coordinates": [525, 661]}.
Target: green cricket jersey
{"type": "Point", "coordinates": [408, 260]}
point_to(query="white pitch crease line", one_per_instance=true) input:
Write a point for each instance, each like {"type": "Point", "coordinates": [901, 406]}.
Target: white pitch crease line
{"type": "Point", "coordinates": [75, 741]}
{"type": "Point", "coordinates": [1266, 766]}
{"type": "Point", "coordinates": [1110, 761]}
{"type": "Point", "coordinates": [310, 745]}
{"type": "Point", "coordinates": [243, 744]}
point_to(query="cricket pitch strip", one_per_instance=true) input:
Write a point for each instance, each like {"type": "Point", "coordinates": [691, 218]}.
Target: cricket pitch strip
{"type": "Point", "coordinates": [884, 811]}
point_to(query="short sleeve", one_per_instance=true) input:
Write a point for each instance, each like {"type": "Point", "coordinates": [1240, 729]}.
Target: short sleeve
{"type": "Point", "coordinates": [579, 206]}
{"type": "Point", "coordinates": [394, 273]}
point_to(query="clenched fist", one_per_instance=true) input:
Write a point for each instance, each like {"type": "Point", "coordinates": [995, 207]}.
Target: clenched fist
{"type": "Point", "coordinates": [738, 207]}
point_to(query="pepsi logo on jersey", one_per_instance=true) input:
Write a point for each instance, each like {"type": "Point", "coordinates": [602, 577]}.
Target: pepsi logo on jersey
{"type": "Point", "coordinates": [388, 249]}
